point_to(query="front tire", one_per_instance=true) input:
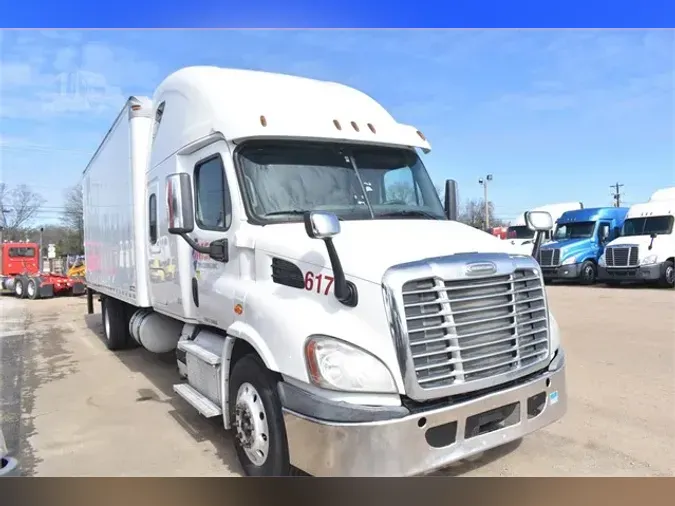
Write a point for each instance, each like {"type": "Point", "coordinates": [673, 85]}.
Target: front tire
{"type": "Point", "coordinates": [588, 274]}
{"type": "Point", "coordinates": [668, 278]}
{"type": "Point", "coordinates": [256, 420]}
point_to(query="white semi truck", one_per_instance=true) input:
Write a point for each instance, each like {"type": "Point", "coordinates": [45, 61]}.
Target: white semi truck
{"type": "Point", "coordinates": [521, 236]}
{"type": "Point", "coordinates": [645, 251]}
{"type": "Point", "coordinates": [325, 304]}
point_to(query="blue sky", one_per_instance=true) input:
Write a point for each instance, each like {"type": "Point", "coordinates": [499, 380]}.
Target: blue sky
{"type": "Point", "coordinates": [554, 115]}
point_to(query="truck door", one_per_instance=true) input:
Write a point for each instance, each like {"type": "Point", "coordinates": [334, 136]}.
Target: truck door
{"type": "Point", "coordinates": [213, 282]}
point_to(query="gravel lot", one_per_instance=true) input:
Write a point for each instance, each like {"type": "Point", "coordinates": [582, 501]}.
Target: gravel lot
{"type": "Point", "coordinates": [69, 407]}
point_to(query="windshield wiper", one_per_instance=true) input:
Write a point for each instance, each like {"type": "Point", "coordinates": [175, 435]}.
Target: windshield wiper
{"type": "Point", "coordinates": [410, 213]}
{"type": "Point", "coordinates": [288, 211]}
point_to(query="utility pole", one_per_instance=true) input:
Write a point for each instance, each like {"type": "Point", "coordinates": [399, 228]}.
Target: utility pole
{"type": "Point", "coordinates": [484, 182]}
{"type": "Point", "coordinates": [617, 194]}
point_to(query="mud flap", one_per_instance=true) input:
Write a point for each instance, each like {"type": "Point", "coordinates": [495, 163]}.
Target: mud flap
{"type": "Point", "coordinates": [46, 291]}
{"type": "Point", "coordinates": [79, 288]}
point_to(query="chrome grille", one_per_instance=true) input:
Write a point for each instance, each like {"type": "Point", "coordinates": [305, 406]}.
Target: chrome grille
{"type": "Point", "coordinates": [549, 257]}
{"type": "Point", "coordinates": [621, 256]}
{"type": "Point", "coordinates": [473, 329]}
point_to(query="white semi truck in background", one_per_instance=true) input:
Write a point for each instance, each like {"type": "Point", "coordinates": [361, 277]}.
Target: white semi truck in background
{"type": "Point", "coordinates": [325, 304]}
{"type": "Point", "coordinates": [645, 251]}
{"type": "Point", "coordinates": [521, 236]}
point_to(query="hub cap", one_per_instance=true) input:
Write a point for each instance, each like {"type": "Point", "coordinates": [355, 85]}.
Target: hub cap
{"type": "Point", "coordinates": [251, 424]}
{"type": "Point", "coordinates": [18, 288]}
{"type": "Point", "coordinates": [589, 272]}
{"type": "Point", "coordinates": [670, 275]}
{"type": "Point", "coordinates": [31, 289]}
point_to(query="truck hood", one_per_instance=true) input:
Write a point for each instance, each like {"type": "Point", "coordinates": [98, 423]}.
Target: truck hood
{"type": "Point", "coordinates": [368, 248]}
{"type": "Point", "coordinates": [662, 245]}
{"type": "Point", "coordinates": [569, 247]}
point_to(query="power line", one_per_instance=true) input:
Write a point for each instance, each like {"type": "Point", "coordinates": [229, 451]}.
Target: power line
{"type": "Point", "coordinates": [617, 194]}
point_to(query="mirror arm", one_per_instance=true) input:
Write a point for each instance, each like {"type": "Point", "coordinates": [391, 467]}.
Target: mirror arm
{"type": "Point", "coordinates": [345, 291]}
{"type": "Point", "coordinates": [193, 244]}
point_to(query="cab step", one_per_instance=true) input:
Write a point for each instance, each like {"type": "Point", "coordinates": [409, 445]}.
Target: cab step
{"type": "Point", "coordinates": [205, 407]}
{"type": "Point", "coordinates": [199, 352]}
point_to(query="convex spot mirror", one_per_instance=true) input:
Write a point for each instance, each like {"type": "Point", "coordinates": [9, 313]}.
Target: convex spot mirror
{"type": "Point", "coordinates": [539, 221]}
{"type": "Point", "coordinates": [179, 204]}
{"type": "Point", "coordinates": [321, 225]}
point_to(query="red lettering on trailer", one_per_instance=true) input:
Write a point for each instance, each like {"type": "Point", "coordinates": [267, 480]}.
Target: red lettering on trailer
{"type": "Point", "coordinates": [320, 283]}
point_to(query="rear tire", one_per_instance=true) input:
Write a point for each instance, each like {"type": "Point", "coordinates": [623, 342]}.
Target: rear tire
{"type": "Point", "coordinates": [668, 278]}
{"type": "Point", "coordinates": [20, 288]}
{"type": "Point", "coordinates": [256, 420]}
{"type": "Point", "coordinates": [588, 274]}
{"type": "Point", "coordinates": [33, 288]}
{"type": "Point", "coordinates": [115, 324]}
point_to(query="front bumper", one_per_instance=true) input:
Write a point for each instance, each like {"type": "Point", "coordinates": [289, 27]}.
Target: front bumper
{"type": "Point", "coordinates": [427, 440]}
{"type": "Point", "coordinates": [652, 272]}
{"type": "Point", "coordinates": [571, 271]}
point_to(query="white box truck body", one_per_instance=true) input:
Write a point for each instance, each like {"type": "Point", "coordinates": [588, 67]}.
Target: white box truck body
{"type": "Point", "coordinates": [282, 236]}
{"type": "Point", "coordinates": [521, 237]}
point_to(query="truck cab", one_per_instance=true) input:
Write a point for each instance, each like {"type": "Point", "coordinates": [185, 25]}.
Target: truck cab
{"type": "Point", "coordinates": [578, 242]}
{"type": "Point", "coordinates": [645, 252]}
{"type": "Point", "coordinates": [17, 258]}
{"type": "Point", "coordinates": [521, 237]}
{"type": "Point", "coordinates": [324, 302]}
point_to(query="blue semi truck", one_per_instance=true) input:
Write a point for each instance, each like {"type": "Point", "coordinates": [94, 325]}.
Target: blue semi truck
{"type": "Point", "coordinates": [578, 242]}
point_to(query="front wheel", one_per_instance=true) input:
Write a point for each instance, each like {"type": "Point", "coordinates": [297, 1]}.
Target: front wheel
{"type": "Point", "coordinates": [668, 278]}
{"type": "Point", "coordinates": [256, 420]}
{"type": "Point", "coordinates": [588, 273]}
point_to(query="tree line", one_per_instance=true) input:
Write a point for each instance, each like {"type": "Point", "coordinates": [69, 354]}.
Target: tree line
{"type": "Point", "coordinates": [21, 209]}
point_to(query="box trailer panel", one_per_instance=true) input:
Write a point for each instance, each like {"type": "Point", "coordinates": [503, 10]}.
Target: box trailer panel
{"type": "Point", "coordinates": [114, 210]}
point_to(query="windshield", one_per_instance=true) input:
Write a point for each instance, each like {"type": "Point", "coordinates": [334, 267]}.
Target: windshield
{"type": "Point", "coordinates": [580, 230]}
{"type": "Point", "coordinates": [521, 232]}
{"type": "Point", "coordinates": [284, 179]}
{"type": "Point", "coordinates": [647, 226]}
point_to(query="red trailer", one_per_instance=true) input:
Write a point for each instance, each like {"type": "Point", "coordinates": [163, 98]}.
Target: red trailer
{"type": "Point", "coordinates": [499, 232]}
{"type": "Point", "coordinates": [21, 275]}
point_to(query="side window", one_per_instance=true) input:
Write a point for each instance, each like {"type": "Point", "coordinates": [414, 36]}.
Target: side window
{"type": "Point", "coordinates": [152, 218]}
{"type": "Point", "coordinates": [158, 119]}
{"type": "Point", "coordinates": [398, 186]}
{"type": "Point", "coordinates": [213, 209]}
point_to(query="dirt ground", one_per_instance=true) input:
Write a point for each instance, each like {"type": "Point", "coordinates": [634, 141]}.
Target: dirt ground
{"type": "Point", "coordinates": [69, 407]}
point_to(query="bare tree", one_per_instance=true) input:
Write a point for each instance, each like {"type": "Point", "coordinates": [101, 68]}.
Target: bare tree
{"type": "Point", "coordinates": [18, 208]}
{"type": "Point", "coordinates": [73, 218]}
{"type": "Point", "coordinates": [473, 214]}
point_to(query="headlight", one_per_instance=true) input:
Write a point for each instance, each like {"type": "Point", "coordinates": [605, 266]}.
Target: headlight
{"type": "Point", "coordinates": [337, 365]}
{"type": "Point", "coordinates": [651, 259]}
{"type": "Point", "coordinates": [570, 260]}
{"type": "Point", "coordinates": [601, 261]}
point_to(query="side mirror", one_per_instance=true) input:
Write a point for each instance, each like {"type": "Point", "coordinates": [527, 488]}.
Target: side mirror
{"type": "Point", "coordinates": [179, 204]}
{"type": "Point", "coordinates": [324, 225]}
{"type": "Point", "coordinates": [321, 225]}
{"type": "Point", "coordinates": [451, 200]}
{"type": "Point", "coordinates": [539, 221]}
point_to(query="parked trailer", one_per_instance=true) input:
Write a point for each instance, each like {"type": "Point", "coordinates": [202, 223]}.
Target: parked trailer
{"type": "Point", "coordinates": [645, 252]}
{"type": "Point", "coordinates": [20, 274]}
{"type": "Point", "coordinates": [579, 241]}
{"type": "Point", "coordinates": [312, 307]}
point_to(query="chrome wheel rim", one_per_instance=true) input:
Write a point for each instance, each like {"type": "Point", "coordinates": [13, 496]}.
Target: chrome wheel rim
{"type": "Point", "coordinates": [18, 288]}
{"type": "Point", "coordinates": [252, 429]}
{"type": "Point", "coordinates": [30, 289]}
{"type": "Point", "coordinates": [670, 275]}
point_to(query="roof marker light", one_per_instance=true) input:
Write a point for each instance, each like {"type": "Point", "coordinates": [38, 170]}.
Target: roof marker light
{"type": "Point", "coordinates": [421, 135]}
{"type": "Point", "coordinates": [372, 128]}
{"type": "Point", "coordinates": [337, 124]}
{"type": "Point", "coordinates": [355, 126]}
{"type": "Point", "coordinates": [263, 121]}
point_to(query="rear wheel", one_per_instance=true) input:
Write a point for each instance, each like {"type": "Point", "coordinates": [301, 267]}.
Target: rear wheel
{"type": "Point", "coordinates": [668, 278]}
{"type": "Point", "coordinates": [588, 273]}
{"type": "Point", "coordinates": [256, 419]}
{"type": "Point", "coordinates": [115, 324]}
{"type": "Point", "coordinates": [20, 288]}
{"type": "Point", "coordinates": [33, 289]}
